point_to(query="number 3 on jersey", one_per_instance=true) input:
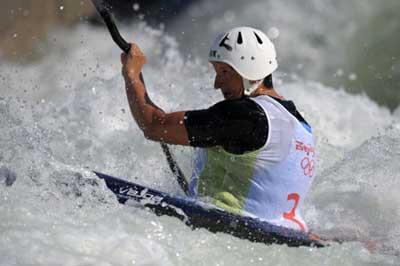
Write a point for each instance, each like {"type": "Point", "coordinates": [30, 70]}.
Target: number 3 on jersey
{"type": "Point", "coordinates": [292, 214]}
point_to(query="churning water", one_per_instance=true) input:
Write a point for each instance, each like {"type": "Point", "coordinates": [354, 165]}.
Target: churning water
{"type": "Point", "coordinates": [67, 115]}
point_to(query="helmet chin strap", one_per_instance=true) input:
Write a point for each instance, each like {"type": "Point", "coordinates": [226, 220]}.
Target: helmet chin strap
{"type": "Point", "coordinates": [250, 85]}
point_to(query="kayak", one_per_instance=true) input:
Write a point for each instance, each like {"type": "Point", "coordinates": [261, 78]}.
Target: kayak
{"type": "Point", "coordinates": [197, 214]}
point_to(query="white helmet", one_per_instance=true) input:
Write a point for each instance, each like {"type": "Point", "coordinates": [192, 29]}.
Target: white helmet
{"type": "Point", "coordinates": [248, 51]}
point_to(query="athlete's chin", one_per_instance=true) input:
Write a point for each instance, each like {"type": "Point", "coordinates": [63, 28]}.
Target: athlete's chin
{"type": "Point", "coordinates": [227, 95]}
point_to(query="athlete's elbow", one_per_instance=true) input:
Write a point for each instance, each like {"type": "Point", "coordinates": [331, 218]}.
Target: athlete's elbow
{"type": "Point", "coordinates": [150, 133]}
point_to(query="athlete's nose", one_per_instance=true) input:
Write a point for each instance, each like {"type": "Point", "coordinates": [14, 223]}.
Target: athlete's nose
{"type": "Point", "coordinates": [217, 83]}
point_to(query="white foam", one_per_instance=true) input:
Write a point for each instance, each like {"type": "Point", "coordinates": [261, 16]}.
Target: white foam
{"type": "Point", "coordinates": [56, 214]}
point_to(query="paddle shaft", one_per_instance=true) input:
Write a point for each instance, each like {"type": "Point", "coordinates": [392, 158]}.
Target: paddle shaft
{"type": "Point", "coordinates": [125, 46]}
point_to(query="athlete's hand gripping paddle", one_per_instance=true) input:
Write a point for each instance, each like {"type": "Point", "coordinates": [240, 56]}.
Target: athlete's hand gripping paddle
{"type": "Point", "coordinates": [105, 13]}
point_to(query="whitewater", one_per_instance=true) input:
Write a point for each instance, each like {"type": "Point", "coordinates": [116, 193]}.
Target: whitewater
{"type": "Point", "coordinates": [67, 115]}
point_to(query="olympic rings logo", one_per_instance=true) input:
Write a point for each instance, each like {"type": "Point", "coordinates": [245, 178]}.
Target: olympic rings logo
{"type": "Point", "coordinates": [307, 165]}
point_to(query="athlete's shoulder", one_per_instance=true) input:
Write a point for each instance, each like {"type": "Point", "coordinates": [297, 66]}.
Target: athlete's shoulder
{"type": "Point", "coordinates": [239, 107]}
{"type": "Point", "coordinates": [288, 105]}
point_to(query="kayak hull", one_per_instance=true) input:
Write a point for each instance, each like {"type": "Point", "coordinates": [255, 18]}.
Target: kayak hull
{"type": "Point", "coordinates": [200, 215]}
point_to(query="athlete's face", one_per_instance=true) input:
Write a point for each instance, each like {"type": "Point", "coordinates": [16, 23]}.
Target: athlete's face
{"type": "Point", "coordinates": [228, 81]}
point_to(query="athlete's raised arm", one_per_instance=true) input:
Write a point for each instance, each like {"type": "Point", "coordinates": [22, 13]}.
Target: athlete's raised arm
{"type": "Point", "coordinates": [228, 123]}
{"type": "Point", "coordinates": [152, 120]}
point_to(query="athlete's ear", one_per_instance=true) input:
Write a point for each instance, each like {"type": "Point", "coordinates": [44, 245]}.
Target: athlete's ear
{"type": "Point", "coordinates": [253, 81]}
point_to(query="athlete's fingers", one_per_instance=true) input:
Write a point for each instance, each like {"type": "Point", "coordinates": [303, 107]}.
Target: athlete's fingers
{"type": "Point", "coordinates": [132, 62]}
{"type": "Point", "coordinates": [136, 53]}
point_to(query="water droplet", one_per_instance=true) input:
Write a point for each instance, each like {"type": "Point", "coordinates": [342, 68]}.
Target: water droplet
{"type": "Point", "coordinates": [353, 77]}
{"type": "Point", "coordinates": [136, 6]}
{"type": "Point", "coordinates": [229, 16]}
{"type": "Point", "coordinates": [339, 73]}
{"type": "Point", "coordinates": [273, 33]}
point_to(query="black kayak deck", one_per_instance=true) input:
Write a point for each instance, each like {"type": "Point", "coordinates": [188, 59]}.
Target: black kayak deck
{"type": "Point", "coordinates": [199, 215]}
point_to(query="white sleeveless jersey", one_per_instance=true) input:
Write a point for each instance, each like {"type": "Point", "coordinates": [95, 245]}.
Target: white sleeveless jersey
{"type": "Point", "coordinates": [270, 183]}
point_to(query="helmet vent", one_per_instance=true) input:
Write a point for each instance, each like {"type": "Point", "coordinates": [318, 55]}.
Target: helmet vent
{"type": "Point", "coordinates": [223, 44]}
{"type": "Point", "coordinates": [239, 38]}
{"type": "Point", "coordinates": [258, 38]}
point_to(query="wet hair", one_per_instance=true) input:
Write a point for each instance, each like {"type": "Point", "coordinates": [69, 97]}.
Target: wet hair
{"type": "Point", "coordinates": [268, 82]}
